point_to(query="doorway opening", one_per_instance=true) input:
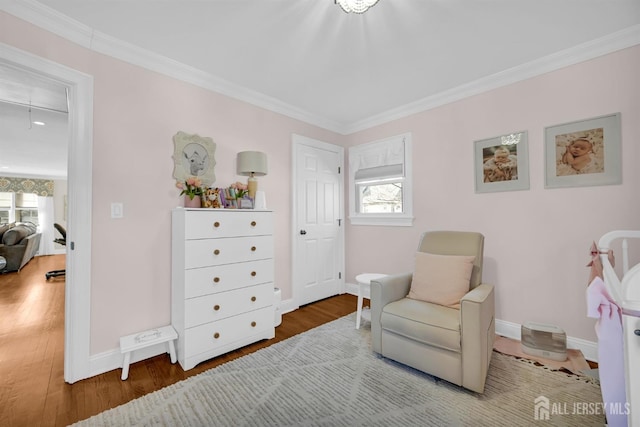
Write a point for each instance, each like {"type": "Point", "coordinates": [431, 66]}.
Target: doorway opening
{"type": "Point", "coordinates": [79, 87]}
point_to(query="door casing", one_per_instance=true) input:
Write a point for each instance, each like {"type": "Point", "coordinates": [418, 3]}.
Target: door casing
{"type": "Point", "coordinates": [77, 327]}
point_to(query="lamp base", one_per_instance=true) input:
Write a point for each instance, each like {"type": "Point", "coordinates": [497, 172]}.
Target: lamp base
{"type": "Point", "coordinates": [252, 187]}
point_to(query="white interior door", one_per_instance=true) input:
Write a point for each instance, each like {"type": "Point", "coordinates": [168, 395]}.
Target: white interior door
{"type": "Point", "coordinates": [318, 256]}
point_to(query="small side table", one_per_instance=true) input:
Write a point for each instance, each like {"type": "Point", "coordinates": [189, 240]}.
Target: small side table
{"type": "Point", "coordinates": [364, 291]}
{"type": "Point", "coordinates": [130, 343]}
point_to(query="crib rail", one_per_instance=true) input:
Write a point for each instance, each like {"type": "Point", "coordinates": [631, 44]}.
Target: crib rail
{"type": "Point", "coordinates": [626, 293]}
{"type": "Point", "coordinates": [604, 244]}
{"type": "Point", "coordinates": [619, 292]}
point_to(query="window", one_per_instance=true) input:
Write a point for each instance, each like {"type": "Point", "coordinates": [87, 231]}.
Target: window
{"type": "Point", "coordinates": [380, 182]}
{"type": "Point", "coordinates": [18, 207]}
{"type": "Point", "coordinates": [5, 206]}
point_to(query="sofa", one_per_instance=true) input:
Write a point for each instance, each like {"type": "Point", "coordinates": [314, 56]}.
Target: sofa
{"type": "Point", "coordinates": [19, 242]}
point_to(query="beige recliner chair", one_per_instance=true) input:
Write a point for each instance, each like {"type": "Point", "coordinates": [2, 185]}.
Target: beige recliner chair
{"type": "Point", "coordinates": [449, 343]}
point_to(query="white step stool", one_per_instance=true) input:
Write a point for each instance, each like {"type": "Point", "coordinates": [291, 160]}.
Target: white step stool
{"type": "Point", "coordinates": [146, 339]}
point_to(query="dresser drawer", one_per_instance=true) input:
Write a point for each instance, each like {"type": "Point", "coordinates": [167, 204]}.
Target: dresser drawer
{"type": "Point", "coordinates": [213, 335]}
{"type": "Point", "coordinates": [218, 306]}
{"type": "Point", "coordinates": [211, 224]}
{"type": "Point", "coordinates": [209, 280]}
{"type": "Point", "coordinates": [210, 252]}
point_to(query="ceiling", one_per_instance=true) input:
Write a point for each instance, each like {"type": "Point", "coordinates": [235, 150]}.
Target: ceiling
{"type": "Point", "coordinates": [345, 69]}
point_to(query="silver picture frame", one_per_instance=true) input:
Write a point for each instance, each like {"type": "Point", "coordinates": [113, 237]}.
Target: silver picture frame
{"type": "Point", "coordinates": [598, 163]}
{"type": "Point", "coordinates": [501, 163]}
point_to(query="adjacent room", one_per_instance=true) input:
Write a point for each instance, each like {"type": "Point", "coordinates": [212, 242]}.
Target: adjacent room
{"type": "Point", "coordinates": [338, 160]}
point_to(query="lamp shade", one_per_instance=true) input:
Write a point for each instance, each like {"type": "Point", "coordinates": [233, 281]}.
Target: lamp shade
{"type": "Point", "coordinates": [251, 162]}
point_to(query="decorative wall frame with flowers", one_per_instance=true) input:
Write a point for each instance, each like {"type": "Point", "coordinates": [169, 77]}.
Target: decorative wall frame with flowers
{"type": "Point", "coordinates": [584, 153]}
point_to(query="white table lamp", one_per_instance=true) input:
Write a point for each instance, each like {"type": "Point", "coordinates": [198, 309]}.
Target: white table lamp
{"type": "Point", "coordinates": [251, 164]}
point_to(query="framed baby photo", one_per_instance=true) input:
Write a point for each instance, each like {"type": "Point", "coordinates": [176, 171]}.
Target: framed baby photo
{"type": "Point", "coordinates": [502, 163]}
{"type": "Point", "coordinates": [583, 153]}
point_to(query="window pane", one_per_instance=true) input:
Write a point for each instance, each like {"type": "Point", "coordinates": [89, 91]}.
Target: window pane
{"type": "Point", "coordinates": [26, 200]}
{"type": "Point", "coordinates": [4, 217]}
{"type": "Point", "coordinates": [380, 198]}
{"type": "Point", "coordinates": [27, 215]}
{"type": "Point", "coordinates": [5, 200]}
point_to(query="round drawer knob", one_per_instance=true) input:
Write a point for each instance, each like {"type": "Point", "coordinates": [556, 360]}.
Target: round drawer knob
{"type": "Point", "coordinates": [253, 274]}
{"type": "Point", "coordinates": [253, 299]}
{"type": "Point", "coordinates": [216, 252]}
{"type": "Point", "coordinates": [253, 324]}
{"type": "Point", "coordinates": [216, 279]}
{"type": "Point", "coordinates": [253, 248]}
{"type": "Point", "coordinates": [216, 307]}
{"type": "Point", "coordinates": [216, 335]}
{"type": "Point", "coordinates": [253, 223]}
{"type": "Point", "coordinates": [216, 224]}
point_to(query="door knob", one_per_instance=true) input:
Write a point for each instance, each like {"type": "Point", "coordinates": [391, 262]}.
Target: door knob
{"type": "Point", "coordinates": [303, 232]}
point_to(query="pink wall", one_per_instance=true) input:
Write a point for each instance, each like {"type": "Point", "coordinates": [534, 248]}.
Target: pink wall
{"type": "Point", "coordinates": [536, 241]}
{"type": "Point", "coordinates": [136, 114]}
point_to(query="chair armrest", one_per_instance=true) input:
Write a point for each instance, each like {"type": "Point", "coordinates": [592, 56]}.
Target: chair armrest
{"type": "Point", "coordinates": [479, 294]}
{"type": "Point", "coordinates": [383, 291]}
{"type": "Point", "coordinates": [477, 330]}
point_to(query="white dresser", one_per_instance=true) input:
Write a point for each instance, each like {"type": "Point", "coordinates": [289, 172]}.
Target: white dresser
{"type": "Point", "coordinates": [222, 290]}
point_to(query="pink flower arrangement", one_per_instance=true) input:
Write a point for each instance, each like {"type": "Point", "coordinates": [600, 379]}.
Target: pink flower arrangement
{"type": "Point", "coordinates": [192, 187]}
{"type": "Point", "coordinates": [241, 189]}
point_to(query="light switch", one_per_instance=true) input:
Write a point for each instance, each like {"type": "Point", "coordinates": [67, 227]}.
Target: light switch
{"type": "Point", "coordinates": [117, 211]}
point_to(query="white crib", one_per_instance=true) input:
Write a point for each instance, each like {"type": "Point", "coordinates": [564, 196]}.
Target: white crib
{"type": "Point", "coordinates": [626, 293]}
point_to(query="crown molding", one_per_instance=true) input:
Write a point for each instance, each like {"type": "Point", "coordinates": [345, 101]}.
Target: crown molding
{"type": "Point", "coordinates": [608, 44]}
{"type": "Point", "coordinates": [132, 54]}
{"type": "Point", "coordinates": [61, 25]}
{"type": "Point", "coordinates": [51, 20]}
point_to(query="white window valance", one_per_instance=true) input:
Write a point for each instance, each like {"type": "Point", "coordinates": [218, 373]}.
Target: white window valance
{"type": "Point", "coordinates": [377, 154]}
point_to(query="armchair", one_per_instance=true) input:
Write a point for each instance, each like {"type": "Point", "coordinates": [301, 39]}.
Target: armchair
{"type": "Point", "coordinates": [448, 342]}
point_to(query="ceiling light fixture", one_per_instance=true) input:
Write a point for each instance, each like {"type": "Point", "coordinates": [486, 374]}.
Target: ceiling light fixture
{"type": "Point", "coordinates": [38, 123]}
{"type": "Point", "coordinates": [356, 6]}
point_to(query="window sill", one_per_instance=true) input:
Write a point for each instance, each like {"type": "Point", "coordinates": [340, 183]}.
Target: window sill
{"type": "Point", "coordinates": [384, 220]}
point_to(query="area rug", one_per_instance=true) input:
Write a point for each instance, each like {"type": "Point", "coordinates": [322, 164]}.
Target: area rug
{"type": "Point", "coordinates": [329, 376]}
{"type": "Point", "coordinates": [575, 362]}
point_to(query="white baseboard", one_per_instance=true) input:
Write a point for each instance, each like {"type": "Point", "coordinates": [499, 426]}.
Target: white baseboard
{"type": "Point", "coordinates": [512, 330]}
{"type": "Point", "coordinates": [288, 306]}
{"type": "Point", "coordinates": [112, 359]}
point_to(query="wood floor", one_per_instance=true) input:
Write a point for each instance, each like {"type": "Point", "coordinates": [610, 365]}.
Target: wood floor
{"type": "Point", "coordinates": [32, 387]}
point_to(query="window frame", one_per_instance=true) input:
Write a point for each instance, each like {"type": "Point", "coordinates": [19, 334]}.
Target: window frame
{"type": "Point", "coordinates": [399, 219]}
{"type": "Point", "coordinates": [14, 208]}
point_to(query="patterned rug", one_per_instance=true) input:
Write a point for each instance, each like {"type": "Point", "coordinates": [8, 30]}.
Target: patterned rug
{"type": "Point", "coordinates": [329, 376]}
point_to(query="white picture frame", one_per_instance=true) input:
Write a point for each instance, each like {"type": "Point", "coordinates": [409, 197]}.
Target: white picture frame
{"type": "Point", "coordinates": [604, 164]}
{"type": "Point", "coordinates": [194, 155]}
{"type": "Point", "coordinates": [510, 176]}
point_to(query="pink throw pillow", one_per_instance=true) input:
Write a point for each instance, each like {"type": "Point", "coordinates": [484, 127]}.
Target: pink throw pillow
{"type": "Point", "coordinates": [441, 279]}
